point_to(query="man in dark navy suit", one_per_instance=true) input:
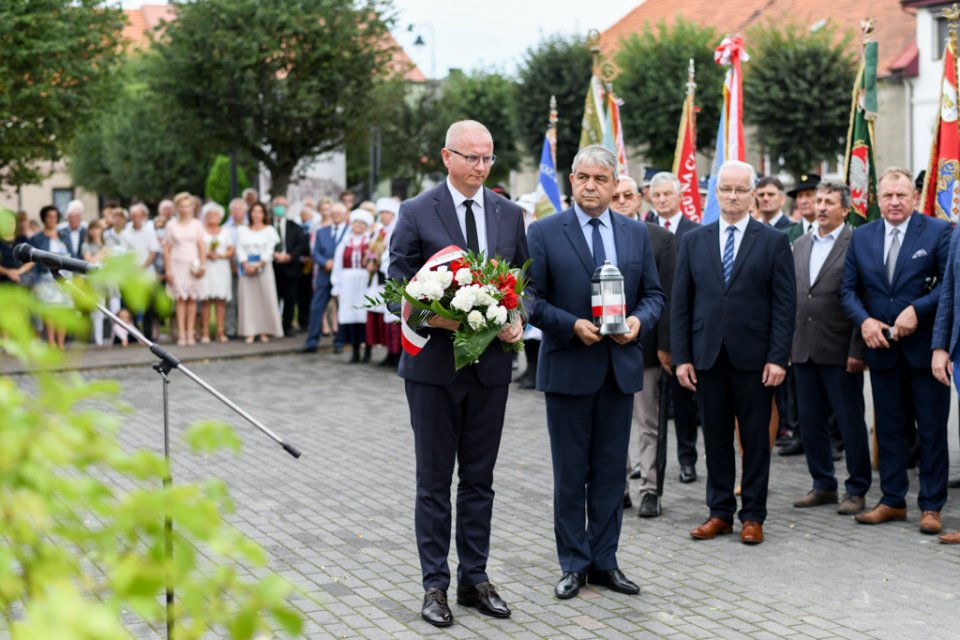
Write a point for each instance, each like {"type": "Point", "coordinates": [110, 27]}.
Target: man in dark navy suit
{"type": "Point", "coordinates": [589, 379]}
{"type": "Point", "coordinates": [666, 195]}
{"type": "Point", "coordinates": [457, 416]}
{"type": "Point", "coordinates": [324, 248]}
{"type": "Point", "coordinates": [733, 305]}
{"type": "Point", "coordinates": [891, 285]}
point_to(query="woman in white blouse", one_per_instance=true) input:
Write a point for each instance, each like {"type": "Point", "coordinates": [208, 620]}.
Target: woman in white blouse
{"type": "Point", "coordinates": [217, 281]}
{"type": "Point", "coordinates": [257, 308]}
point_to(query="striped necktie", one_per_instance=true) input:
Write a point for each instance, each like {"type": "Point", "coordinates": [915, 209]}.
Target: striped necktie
{"type": "Point", "coordinates": [728, 255]}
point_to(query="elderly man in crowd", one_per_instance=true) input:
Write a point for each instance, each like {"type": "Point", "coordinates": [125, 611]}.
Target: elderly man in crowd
{"type": "Point", "coordinates": [733, 312]}
{"type": "Point", "coordinates": [656, 358]}
{"type": "Point", "coordinates": [74, 234]}
{"type": "Point", "coordinates": [141, 240]}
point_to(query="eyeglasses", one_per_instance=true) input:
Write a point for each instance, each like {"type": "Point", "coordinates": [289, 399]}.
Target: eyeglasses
{"type": "Point", "coordinates": [626, 195]}
{"type": "Point", "coordinates": [474, 160]}
{"type": "Point", "coordinates": [738, 191]}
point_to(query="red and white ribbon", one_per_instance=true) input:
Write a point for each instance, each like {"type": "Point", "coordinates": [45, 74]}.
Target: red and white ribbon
{"type": "Point", "coordinates": [412, 341]}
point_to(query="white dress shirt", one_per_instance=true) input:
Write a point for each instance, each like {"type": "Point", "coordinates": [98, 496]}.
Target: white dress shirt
{"type": "Point", "coordinates": [477, 207]}
{"type": "Point", "coordinates": [741, 228]}
{"type": "Point", "coordinates": [674, 222]}
{"type": "Point", "coordinates": [822, 245]}
{"type": "Point", "coordinates": [606, 232]}
{"type": "Point", "coordinates": [888, 236]}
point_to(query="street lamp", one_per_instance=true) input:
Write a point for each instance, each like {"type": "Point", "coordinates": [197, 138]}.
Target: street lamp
{"type": "Point", "coordinates": [420, 42]}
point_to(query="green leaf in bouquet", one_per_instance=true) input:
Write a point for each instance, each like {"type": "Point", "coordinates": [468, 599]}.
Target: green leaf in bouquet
{"type": "Point", "coordinates": [468, 346]}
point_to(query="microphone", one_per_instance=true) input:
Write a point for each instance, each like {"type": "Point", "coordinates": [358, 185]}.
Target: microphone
{"type": "Point", "coordinates": [54, 261]}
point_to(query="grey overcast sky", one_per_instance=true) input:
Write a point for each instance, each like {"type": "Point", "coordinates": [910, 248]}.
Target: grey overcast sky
{"type": "Point", "coordinates": [490, 34]}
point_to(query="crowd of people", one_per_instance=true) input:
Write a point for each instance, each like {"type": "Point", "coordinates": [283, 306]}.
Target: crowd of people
{"type": "Point", "coordinates": [254, 271]}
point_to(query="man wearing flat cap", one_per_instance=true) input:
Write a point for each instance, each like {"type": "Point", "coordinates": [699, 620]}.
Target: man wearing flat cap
{"type": "Point", "coordinates": [804, 195]}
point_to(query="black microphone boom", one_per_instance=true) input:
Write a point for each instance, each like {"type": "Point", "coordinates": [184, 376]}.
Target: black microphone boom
{"type": "Point", "coordinates": [53, 261]}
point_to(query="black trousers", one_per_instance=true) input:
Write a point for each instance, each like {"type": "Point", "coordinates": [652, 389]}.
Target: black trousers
{"type": "Point", "coordinates": [686, 421]}
{"type": "Point", "coordinates": [287, 293]}
{"type": "Point", "coordinates": [457, 423]}
{"type": "Point", "coordinates": [727, 394]}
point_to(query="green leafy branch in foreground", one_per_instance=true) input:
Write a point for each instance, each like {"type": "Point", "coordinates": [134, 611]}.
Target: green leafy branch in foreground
{"type": "Point", "coordinates": [77, 547]}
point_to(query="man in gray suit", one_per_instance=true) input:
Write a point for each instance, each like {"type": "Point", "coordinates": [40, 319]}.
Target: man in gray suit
{"type": "Point", "coordinates": [828, 356]}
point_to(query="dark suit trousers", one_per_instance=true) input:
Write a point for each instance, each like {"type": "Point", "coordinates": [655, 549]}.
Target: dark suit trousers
{"type": "Point", "coordinates": [820, 389]}
{"type": "Point", "coordinates": [685, 421]}
{"type": "Point", "coordinates": [456, 423]}
{"type": "Point", "coordinates": [589, 437]}
{"type": "Point", "coordinates": [318, 306]}
{"type": "Point", "coordinates": [931, 405]}
{"type": "Point", "coordinates": [287, 294]}
{"type": "Point", "coordinates": [304, 297]}
{"type": "Point", "coordinates": [727, 393]}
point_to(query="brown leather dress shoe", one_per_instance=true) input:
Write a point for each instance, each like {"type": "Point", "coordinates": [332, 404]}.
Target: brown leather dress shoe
{"type": "Point", "coordinates": [950, 538]}
{"type": "Point", "coordinates": [930, 523]}
{"type": "Point", "coordinates": [710, 529]}
{"type": "Point", "coordinates": [751, 532]}
{"type": "Point", "coordinates": [851, 505]}
{"type": "Point", "coordinates": [880, 514]}
{"type": "Point", "coordinates": [816, 498]}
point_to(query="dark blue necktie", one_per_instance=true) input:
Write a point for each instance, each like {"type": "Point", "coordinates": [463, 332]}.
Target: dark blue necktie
{"type": "Point", "coordinates": [599, 253]}
{"type": "Point", "coordinates": [473, 242]}
{"type": "Point", "coordinates": [728, 255]}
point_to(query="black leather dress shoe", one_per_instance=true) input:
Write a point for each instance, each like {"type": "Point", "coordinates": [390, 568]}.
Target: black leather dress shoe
{"type": "Point", "coordinates": [435, 609]}
{"type": "Point", "coordinates": [485, 598]}
{"type": "Point", "coordinates": [954, 484]}
{"type": "Point", "coordinates": [569, 585]}
{"type": "Point", "coordinates": [627, 502]}
{"type": "Point", "coordinates": [613, 579]}
{"type": "Point", "coordinates": [795, 448]}
{"type": "Point", "coordinates": [307, 350]}
{"type": "Point", "coordinates": [636, 472]}
{"type": "Point", "coordinates": [688, 473]}
{"type": "Point", "coordinates": [649, 506]}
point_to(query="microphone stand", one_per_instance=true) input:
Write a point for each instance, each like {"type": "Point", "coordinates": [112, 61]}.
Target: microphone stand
{"type": "Point", "coordinates": [166, 363]}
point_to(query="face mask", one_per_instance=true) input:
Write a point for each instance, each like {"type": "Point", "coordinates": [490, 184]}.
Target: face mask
{"type": "Point", "coordinates": [279, 210]}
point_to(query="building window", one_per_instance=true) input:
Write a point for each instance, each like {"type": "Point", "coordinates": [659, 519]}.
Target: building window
{"type": "Point", "coordinates": [61, 198]}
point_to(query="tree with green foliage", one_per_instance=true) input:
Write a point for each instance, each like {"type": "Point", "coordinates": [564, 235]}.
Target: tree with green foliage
{"type": "Point", "coordinates": [217, 186]}
{"type": "Point", "coordinates": [56, 71]}
{"type": "Point", "coordinates": [141, 145]}
{"type": "Point", "coordinates": [411, 128]}
{"type": "Point", "coordinates": [281, 81]}
{"type": "Point", "coordinates": [558, 66]}
{"type": "Point", "coordinates": [653, 83]}
{"type": "Point", "coordinates": [797, 92]}
{"type": "Point", "coordinates": [83, 529]}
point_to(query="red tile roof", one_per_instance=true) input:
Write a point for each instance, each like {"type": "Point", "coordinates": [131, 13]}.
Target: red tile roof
{"type": "Point", "coordinates": [895, 26]}
{"type": "Point", "coordinates": [141, 23]}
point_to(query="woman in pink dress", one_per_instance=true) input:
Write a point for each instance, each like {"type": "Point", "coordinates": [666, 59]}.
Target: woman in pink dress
{"type": "Point", "coordinates": [184, 257]}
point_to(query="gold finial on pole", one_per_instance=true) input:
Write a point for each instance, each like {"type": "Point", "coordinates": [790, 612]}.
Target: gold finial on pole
{"type": "Point", "coordinates": [952, 15]}
{"type": "Point", "coordinates": [593, 42]}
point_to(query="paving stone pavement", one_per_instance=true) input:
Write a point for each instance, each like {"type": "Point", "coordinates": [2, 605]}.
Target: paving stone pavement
{"type": "Point", "coordinates": [339, 524]}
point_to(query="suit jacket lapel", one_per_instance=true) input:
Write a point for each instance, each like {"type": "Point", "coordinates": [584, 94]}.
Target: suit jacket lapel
{"type": "Point", "coordinates": [713, 248]}
{"type": "Point", "coordinates": [803, 251]}
{"type": "Point", "coordinates": [749, 239]}
{"type": "Point", "coordinates": [491, 214]}
{"type": "Point", "coordinates": [447, 212]}
{"type": "Point", "coordinates": [621, 239]}
{"type": "Point", "coordinates": [571, 227]}
{"type": "Point", "coordinates": [839, 248]}
{"type": "Point", "coordinates": [914, 230]}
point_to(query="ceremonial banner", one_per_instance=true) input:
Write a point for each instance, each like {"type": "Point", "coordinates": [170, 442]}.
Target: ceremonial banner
{"type": "Point", "coordinates": [613, 133]}
{"type": "Point", "coordinates": [548, 191]}
{"type": "Point", "coordinates": [941, 188]}
{"type": "Point", "coordinates": [730, 144]}
{"type": "Point", "coordinates": [685, 157]}
{"type": "Point", "coordinates": [592, 124]}
{"type": "Point", "coordinates": [860, 171]}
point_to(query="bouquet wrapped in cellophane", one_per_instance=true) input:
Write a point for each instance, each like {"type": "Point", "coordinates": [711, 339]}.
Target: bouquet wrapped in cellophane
{"type": "Point", "coordinates": [483, 295]}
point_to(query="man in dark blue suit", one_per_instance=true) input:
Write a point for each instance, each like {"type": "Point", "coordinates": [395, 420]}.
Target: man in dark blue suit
{"type": "Point", "coordinates": [324, 247]}
{"type": "Point", "coordinates": [946, 334]}
{"type": "Point", "coordinates": [590, 379]}
{"type": "Point", "coordinates": [457, 416]}
{"type": "Point", "coordinates": [667, 197]}
{"type": "Point", "coordinates": [891, 286]}
{"type": "Point", "coordinates": [733, 305]}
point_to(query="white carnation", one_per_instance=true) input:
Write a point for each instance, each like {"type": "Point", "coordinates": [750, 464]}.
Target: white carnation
{"type": "Point", "coordinates": [463, 299]}
{"type": "Point", "coordinates": [463, 276]}
{"type": "Point", "coordinates": [475, 319]}
{"type": "Point", "coordinates": [444, 277]}
{"type": "Point", "coordinates": [501, 314]}
{"type": "Point", "coordinates": [415, 289]}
